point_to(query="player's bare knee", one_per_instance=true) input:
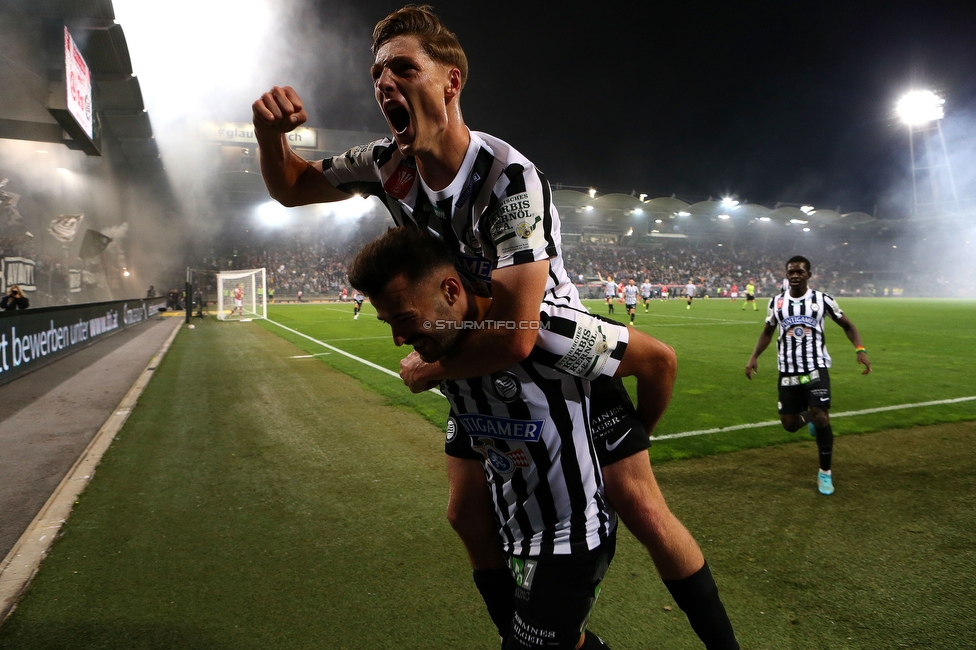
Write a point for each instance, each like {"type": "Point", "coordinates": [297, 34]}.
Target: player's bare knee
{"type": "Point", "coordinates": [820, 417]}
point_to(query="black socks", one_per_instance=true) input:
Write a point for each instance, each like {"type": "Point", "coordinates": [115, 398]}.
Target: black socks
{"type": "Point", "coordinates": [697, 596]}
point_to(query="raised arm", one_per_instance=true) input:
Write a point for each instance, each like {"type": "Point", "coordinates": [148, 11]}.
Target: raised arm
{"type": "Point", "coordinates": [764, 340]}
{"type": "Point", "coordinates": [291, 180]}
{"type": "Point", "coordinates": [517, 293]}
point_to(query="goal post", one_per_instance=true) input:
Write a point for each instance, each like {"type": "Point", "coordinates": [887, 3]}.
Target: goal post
{"type": "Point", "coordinates": [242, 295]}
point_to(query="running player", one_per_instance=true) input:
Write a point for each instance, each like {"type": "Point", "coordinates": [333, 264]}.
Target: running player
{"type": "Point", "coordinates": [527, 425]}
{"type": "Point", "coordinates": [437, 175]}
{"type": "Point", "coordinates": [630, 299]}
{"type": "Point", "coordinates": [804, 382]}
{"type": "Point", "coordinates": [750, 296]}
{"type": "Point", "coordinates": [690, 293]}
{"type": "Point", "coordinates": [357, 298]}
{"type": "Point", "coordinates": [610, 291]}
{"type": "Point", "coordinates": [645, 291]}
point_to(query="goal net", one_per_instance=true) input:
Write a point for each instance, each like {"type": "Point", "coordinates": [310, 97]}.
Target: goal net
{"type": "Point", "coordinates": [241, 295]}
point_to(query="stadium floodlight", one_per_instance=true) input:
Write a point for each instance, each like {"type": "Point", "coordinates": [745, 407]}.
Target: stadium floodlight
{"type": "Point", "coordinates": [920, 107]}
{"type": "Point", "coordinates": [642, 197]}
{"type": "Point", "coordinates": [806, 209]}
{"type": "Point", "coordinates": [658, 221]}
{"type": "Point", "coordinates": [272, 214]}
{"type": "Point", "coordinates": [798, 221]}
{"type": "Point", "coordinates": [350, 209]}
{"type": "Point", "coordinates": [806, 230]}
{"type": "Point", "coordinates": [764, 219]}
{"type": "Point", "coordinates": [592, 193]}
{"type": "Point", "coordinates": [684, 214]}
{"type": "Point", "coordinates": [730, 203]}
{"type": "Point", "coordinates": [638, 211]}
{"type": "Point", "coordinates": [723, 216]}
{"type": "Point", "coordinates": [589, 208]}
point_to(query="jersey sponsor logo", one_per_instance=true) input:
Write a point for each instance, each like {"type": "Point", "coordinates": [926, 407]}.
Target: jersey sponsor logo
{"type": "Point", "coordinates": [779, 302]}
{"type": "Point", "coordinates": [794, 321]}
{"type": "Point", "coordinates": [476, 270]}
{"type": "Point", "coordinates": [799, 332]}
{"type": "Point", "coordinates": [400, 181]}
{"type": "Point", "coordinates": [463, 198]}
{"type": "Point", "coordinates": [616, 443]}
{"type": "Point", "coordinates": [523, 571]}
{"type": "Point", "coordinates": [514, 222]}
{"type": "Point", "coordinates": [451, 429]}
{"type": "Point", "coordinates": [590, 350]}
{"type": "Point", "coordinates": [499, 461]}
{"type": "Point", "coordinates": [489, 426]}
{"type": "Point", "coordinates": [506, 386]}
{"type": "Point", "coordinates": [814, 307]}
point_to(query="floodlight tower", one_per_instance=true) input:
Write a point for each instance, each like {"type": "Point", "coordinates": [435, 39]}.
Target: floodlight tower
{"type": "Point", "coordinates": [921, 111]}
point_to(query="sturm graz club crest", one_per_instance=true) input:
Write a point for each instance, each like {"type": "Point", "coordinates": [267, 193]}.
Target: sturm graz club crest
{"type": "Point", "coordinates": [451, 429]}
{"type": "Point", "coordinates": [506, 386]}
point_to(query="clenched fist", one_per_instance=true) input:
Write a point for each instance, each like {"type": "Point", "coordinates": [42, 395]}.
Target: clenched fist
{"type": "Point", "coordinates": [279, 110]}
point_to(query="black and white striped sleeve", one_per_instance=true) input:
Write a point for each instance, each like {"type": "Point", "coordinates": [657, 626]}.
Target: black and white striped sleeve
{"type": "Point", "coordinates": [578, 343]}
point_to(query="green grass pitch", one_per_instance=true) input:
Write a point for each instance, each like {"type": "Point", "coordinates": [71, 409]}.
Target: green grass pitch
{"type": "Point", "coordinates": [921, 351]}
{"type": "Point", "coordinates": [260, 497]}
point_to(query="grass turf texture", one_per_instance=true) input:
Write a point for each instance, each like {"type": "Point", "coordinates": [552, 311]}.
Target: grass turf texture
{"type": "Point", "coordinates": [921, 350]}
{"type": "Point", "coordinates": [259, 501]}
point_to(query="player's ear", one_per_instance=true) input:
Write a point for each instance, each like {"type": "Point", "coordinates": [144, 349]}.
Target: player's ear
{"type": "Point", "coordinates": [453, 87]}
{"type": "Point", "coordinates": [451, 289]}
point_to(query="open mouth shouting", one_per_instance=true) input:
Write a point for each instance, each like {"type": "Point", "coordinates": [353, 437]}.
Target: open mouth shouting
{"type": "Point", "coordinates": [398, 116]}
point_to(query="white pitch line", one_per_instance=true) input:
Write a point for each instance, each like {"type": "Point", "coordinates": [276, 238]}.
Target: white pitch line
{"type": "Point", "coordinates": [769, 423]}
{"type": "Point", "coordinates": [346, 354]}
{"type": "Point", "coordinates": [309, 356]}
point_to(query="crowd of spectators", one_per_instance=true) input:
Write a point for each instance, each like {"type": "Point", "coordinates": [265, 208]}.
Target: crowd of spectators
{"type": "Point", "coordinates": [316, 265]}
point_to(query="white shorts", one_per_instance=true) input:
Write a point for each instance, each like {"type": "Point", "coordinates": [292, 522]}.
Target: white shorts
{"type": "Point", "coordinates": [238, 303]}
{"type": "Point", "coordinates": [735, 294]}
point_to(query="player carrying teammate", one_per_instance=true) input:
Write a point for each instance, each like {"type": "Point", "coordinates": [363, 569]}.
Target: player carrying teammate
{"type": "Point", "coordinates": [437, 175]}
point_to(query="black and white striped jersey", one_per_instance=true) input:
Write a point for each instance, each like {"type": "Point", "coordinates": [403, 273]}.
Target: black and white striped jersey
{"type": "Point", "coordinates": [497, 212]}
{"type": "Point", "coordinates": [530, 424]}
{"type": "Point", "coordinates": [801, 346]}
{"type": "Point", "coordinates": [630, 294]}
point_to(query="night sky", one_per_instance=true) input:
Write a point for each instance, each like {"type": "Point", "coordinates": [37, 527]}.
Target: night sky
{"type": "Point", "coordinates": [783, 101]}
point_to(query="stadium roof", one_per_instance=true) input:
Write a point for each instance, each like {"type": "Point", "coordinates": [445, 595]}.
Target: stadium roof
{"type": "Point", "coordinates": [609, 206]}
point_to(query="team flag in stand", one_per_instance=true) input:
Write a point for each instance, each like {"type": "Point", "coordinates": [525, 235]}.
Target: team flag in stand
{"type": "Point", "coordinates": [65, 227]}
{"type": "Point", "coordinates": [93, 244]}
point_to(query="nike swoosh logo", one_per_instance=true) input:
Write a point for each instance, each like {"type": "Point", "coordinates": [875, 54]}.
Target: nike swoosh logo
{"type": "Point", "coordinates": [824, 399]}
{"type": "Point", "coordinates": [611, 447]}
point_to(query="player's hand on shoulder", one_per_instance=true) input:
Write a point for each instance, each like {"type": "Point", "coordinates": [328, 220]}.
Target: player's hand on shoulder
{"type": "Point", "coordinates": [279, 110]}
